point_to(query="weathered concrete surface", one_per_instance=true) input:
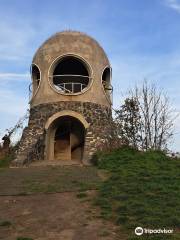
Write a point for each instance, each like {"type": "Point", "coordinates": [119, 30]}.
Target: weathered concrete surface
{"type": "Point", "coordinates": [75, 44]}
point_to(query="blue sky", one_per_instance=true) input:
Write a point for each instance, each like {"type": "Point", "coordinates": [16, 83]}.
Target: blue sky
{"type": "Point", "coordinates": [141, 39]}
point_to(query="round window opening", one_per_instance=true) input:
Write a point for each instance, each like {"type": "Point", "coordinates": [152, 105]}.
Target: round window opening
{"type": "Point", "coordinates": [70, 76]}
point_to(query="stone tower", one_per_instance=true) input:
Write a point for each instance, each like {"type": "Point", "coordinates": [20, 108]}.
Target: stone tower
{"type": "Point", "coordinates": [70, 106]}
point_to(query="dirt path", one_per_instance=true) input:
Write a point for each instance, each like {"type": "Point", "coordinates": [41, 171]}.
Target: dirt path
{"type": "Point", "coordinates": [60, 216]}
{"type": "Point", "coordinates": [28, 210]}
{"type": "Point", "coordinates": [47, 179]}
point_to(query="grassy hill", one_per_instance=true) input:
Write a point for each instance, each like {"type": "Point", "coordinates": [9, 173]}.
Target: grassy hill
{"type": "Point", "coordinates": [139, 190]}
{"type": "Point", "coordinates": [143, 190]}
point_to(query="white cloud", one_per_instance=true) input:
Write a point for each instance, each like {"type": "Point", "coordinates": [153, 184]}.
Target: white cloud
{"type": "Point", "coordinates": [15, 39]}
{"type": "Point", "coordinates": [7, 76]}
{"type": "Point", "coordinates": [174, 4]}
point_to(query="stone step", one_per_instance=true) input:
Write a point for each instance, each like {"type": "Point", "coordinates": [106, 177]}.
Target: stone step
{"type": "Point", "coordinates": [55, 163]}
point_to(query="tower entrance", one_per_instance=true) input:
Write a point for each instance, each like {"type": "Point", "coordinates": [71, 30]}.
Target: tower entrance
{"type": "Point", "coordinates": [66, 139]}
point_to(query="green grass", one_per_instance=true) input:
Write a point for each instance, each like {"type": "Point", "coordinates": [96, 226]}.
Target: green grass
{"type": "Point", "coordinates": [5, 224]}
{"type": "Point", "coordinates": [143, 190]}
{"type": "Point", "coordinates": [23, 238]}
{"type": "Point", "coordinates": [5, 161]}
{"type": "Point", "coordinates": [104, 233]}
{"type": "Point", "coordinates": [48, 180]}
{"type": "Point", "coordinates": [81, 195]}
{"type": "Point", "coordinates": [62, 179]}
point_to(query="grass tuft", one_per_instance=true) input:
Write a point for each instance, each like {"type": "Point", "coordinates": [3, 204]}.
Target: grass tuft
{"type": "Point", "coordinates": [5, 161]}
{"type": "Point", "coordinates": [5, 224]}
{"type": "Point", "coordinates": [23, 238]}
{"type": "Point", "coordinates": [81, 195]}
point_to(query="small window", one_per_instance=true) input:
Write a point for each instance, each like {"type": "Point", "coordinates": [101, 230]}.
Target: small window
{"type": "Point", "coordinates": [106, 75]}
{"type": "Point", "coordinates": [35, 77]}
{"type": "Point", "coordinates": [106, 81]}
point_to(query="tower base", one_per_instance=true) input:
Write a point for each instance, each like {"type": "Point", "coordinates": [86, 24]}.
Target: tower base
{"type": "Point", "coordinates": [67, 131]}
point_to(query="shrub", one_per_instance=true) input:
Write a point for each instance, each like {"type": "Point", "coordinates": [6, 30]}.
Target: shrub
{"type": "Point", "coordinates": [5, 161]}
{"type": "Point", "coordinates": [5, 223]}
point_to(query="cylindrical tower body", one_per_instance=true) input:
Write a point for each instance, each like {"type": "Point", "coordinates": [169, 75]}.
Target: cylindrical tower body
{"type": "Point", "coordinates": [70, 106]}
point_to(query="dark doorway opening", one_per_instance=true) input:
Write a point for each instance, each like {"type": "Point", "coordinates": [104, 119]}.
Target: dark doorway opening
{"type": "Point", "coordinates": [69, 139]}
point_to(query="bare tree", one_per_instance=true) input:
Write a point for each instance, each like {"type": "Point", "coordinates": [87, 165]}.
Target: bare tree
{"type": "Point", "coordinates": [154, 119]}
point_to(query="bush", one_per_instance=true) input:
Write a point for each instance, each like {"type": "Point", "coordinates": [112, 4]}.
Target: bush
{"type": "Point", "coordinates": [95, 159]}
{"type": "Point", "coordinates": [5, 161]}
{"type": "Point", "coordinates": [7, 157]}
{"type": "Point", "coordinates": [5, 224]}
{"type": "Point", "coordinates": [23, 238]}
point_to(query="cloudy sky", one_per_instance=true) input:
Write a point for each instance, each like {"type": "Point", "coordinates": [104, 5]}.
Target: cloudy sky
{"type": "Point", "coordinates": [141, 39]}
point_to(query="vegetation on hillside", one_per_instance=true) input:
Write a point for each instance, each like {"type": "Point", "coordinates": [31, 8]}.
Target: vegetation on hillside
{"type": "Point", "coordinates": [7, 150]}
{"type": "Point", "coordinates": [142, 190]}
{"type": "Point", "coordinates": [7, 156]}
{"type": "Point", "coordinates": [5, 161]}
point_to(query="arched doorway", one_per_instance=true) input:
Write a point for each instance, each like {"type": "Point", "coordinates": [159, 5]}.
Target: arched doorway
{"type": "Point", "coordinates": [65, 139]}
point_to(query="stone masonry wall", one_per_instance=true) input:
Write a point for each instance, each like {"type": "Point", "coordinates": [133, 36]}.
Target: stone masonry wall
{"type": "Point", "coordinates": [32, 143]}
